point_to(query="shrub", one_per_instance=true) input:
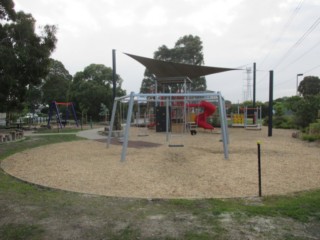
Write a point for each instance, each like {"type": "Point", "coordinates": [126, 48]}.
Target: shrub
{"type": "Point", "coordinates": [312, 132]}
{"type": "Point", "coordinates": [284, 122]}
{"type": "Point", "coordinates": [215, 121]}
{"type": "Point", "coordinates": [314, 129]}
{"type": "Point", "coordinates": [310, 138]}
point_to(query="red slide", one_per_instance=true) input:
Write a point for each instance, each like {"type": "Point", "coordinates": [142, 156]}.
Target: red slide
{"type": "Point", "coordinates": [201, 119]}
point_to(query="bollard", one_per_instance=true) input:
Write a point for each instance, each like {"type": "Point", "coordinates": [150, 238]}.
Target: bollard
{"type": "Point", "coordinates": [259, 167]}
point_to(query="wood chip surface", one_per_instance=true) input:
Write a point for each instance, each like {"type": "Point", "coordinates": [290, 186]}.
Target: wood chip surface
{"type": "Point", "coordinates": [196, 170]}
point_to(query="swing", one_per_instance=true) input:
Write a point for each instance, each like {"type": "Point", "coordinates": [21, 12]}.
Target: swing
{"type": "Point", "coordinates": [177, 122]}
{"type": "Point", "coordinates": [54, 107]}
{"type": "Point", "coordinates": [141, 120]}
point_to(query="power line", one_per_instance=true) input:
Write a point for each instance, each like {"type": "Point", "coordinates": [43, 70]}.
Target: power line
{"type": "Point", "coordinates": [284, 29]}
{"type": "Point", "coordinates": [305, 53]}
{"type": "Point", "coordinates": [304, 73]}
{"type": "Point", "coordinates": [264, 77]}
{"type": "Point", "coordinates": [310, 70]}
{"type": "Point", "coordinates": [298, 43]}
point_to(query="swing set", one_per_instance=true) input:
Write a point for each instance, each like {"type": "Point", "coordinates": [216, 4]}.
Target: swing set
{"type": "Point", "coordinates": [165, 121]}
{"type": "Point", "coordinates": [173, 101]}
{"type": "Point", "coordinates": [62, 122]}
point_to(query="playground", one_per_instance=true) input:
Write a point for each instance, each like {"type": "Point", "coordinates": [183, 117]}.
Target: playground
{"type": "Point", "coordinates": [154, 170]}
{"type": "Point", "coordinates": [182, 155]}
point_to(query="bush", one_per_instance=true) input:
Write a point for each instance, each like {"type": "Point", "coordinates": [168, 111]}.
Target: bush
{"type": "Point", "coordinates": [214, 121]}
{"type": "Point", "coordinates": [284, 122]}
{"type": "Point", "coordinates": [314, 129]}
{"type": "Point", "coordinates": [312, 132]}
{"type": "Point", "coordinates": [310, 138]}
{"type": "Point", "coordinates": [307, 111]}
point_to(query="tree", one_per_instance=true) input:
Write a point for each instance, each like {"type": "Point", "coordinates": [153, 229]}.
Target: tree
{"type": "Point", "coordinates": [24, 55]}
{"type": "Point", "coordinates": [56, 84]}
{"type": "Point", "coordinates": [33, 98]}
{"type": "Point", "coordinates": [309, 86]}
{"type": "Point", "coordinates": [104, 111]}
{"type": "Point", "coordinates": [7, 10]}
{"type": "Point", "coordinates": [187, 50]}
{"type": "Point", "coordinates": [292, 103]}
{"type": "Point", "coordinates": [307, 111]}
{"type": "Point", "coordinates": [92, 87]}
{"type": "Point", "coordinates": [302, 111]}
{"type": "Point", "coordinates": [148, 83]}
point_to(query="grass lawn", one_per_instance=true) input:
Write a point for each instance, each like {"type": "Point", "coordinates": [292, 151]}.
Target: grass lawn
{"type": "Point", "coordinates": [32, 212]}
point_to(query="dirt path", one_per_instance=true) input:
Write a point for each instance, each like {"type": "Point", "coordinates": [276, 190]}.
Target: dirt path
{"type": "Point", "coordinates": [197, 170]}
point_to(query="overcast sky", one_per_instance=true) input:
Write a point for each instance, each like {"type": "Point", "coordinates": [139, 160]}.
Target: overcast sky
{"type": "Point", "coordinates": [279, 35]}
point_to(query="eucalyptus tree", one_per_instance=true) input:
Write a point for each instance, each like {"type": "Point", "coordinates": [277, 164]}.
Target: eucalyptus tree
{"type": "Point", "coordinates": [93, 86]}
{"type": "Point", "coordinates": [56, 85]}
{"type": "Point", "coordinates": [24, 55]}
{"type": "Point", "coordinates": [188, 50]}
{"type": "Point", "coordinates": [309, 86]}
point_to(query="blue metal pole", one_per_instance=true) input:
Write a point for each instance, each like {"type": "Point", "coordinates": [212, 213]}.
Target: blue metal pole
{"type": "Point", "coordinates": [114, 109]}
{"type": "Point", "coordinates": [127, 128]}
{"type": "Point", "coordinates": [224, 131]}
{"type": "Point", "coordinates": [74, 114]}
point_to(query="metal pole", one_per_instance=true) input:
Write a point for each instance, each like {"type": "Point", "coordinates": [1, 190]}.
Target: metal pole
{"type": "Point", "coordinates": [138, 114]}
{"type": "Point", "coordinates": [156, 91]}
{"type": "Point", "coordinates": [254, 85]}
{"type": "Point", "coordinates": [127, 128]}
{"type": "Point", "coordinates": [223, 121]}
{"type": "Point", "coordinates": [114, 74]}
{"type": "Point", "coordinates": [114, 109]}
{"type": "Point", "coordinates": [270, 104]}
{"type": "Point", "coordinates": [300, 74]}
{"type": "Point", "coordinates": [245, 115]}
{"type": "Point", "coordinates": [167, 119]}
{"type": "Point", "coordinates": [254, 90]}
{"type": "Point", "coordinates": [259, 168]}
{"type": "Point", "coordinates": [184, 106]}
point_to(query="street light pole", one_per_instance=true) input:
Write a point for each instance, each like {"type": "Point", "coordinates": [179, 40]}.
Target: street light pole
{"type": "Point", "coordinates": [298, 75]}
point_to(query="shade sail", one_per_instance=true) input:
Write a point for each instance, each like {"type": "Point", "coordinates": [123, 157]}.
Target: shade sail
{"type": "Point", "coordinates": [163, 69]}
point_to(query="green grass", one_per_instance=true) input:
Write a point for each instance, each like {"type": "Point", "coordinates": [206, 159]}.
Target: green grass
{"type": "Point", "coordinates": [21, 232]}
{"type": "Point", "coordinates": [11, 186]}
{"type": "Point", "coordinates": [58, 130]}
{"type": "Point", "coordinates": [7, 149]}
{"type": "Point", "coordinates": [301, 207]}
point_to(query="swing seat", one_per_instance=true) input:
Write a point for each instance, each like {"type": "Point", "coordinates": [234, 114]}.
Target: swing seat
{"type": "Point", "coordinates": [176, 145]}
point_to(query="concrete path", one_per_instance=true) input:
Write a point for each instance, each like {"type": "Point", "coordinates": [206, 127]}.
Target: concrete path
{"type": "Point", "coordinates": [91, 134]}
{"type": "Point", "coordinates": [30, 133]}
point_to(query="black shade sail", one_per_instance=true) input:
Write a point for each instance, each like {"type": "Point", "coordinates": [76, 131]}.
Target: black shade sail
{"type": "Point", "coordinates": [162, 69]}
